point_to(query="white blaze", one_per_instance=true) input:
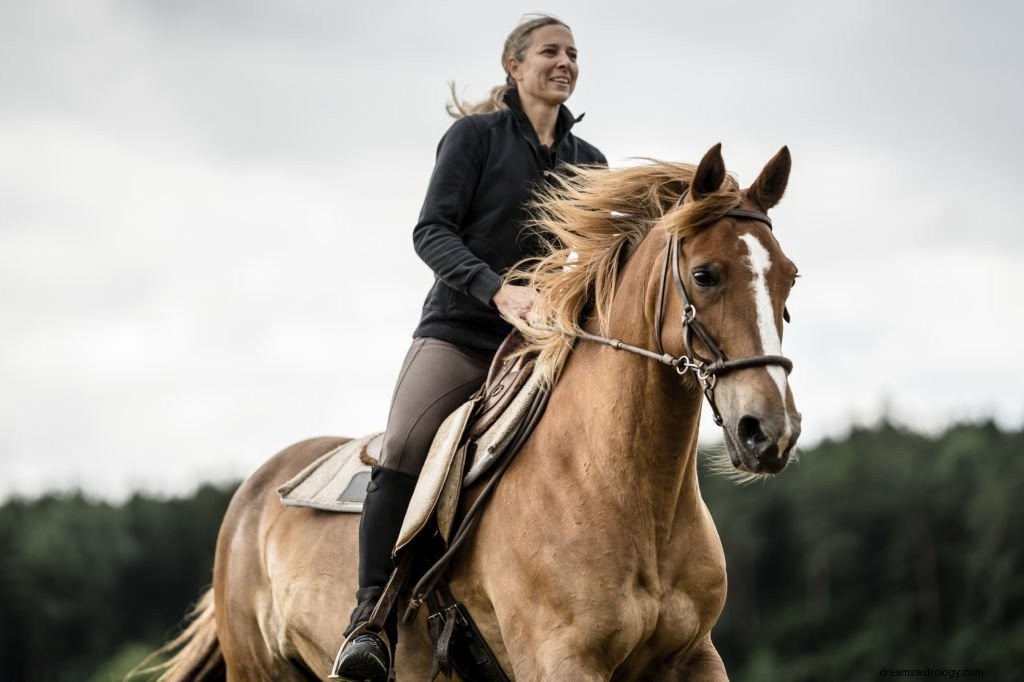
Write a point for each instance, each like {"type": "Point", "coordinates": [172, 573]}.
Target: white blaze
{"type": "Point", "coordinates": [771, 344]}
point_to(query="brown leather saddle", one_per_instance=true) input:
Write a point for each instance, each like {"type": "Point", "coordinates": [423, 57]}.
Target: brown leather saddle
{"type": "Point", "coordinates": [506, 377]}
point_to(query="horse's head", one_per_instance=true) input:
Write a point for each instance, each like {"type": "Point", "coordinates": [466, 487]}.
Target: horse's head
{"type": "Point", "coordinates": [717, 295]}
{"type": "Point", "coordinates": [732, 284]}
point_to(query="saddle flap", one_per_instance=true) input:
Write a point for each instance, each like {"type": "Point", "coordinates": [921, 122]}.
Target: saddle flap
{"type": "Point", "coordinates": [438, 468]}
{"type": "Point", "coordinates": [451, 491]}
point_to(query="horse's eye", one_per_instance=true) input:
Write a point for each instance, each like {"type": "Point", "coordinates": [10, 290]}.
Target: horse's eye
{"type": "Point", "coordinates": [705, 278]}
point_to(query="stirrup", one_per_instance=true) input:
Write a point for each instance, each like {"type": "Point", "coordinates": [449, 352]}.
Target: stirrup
{"type": "Point", "coordinates": [362, 629]}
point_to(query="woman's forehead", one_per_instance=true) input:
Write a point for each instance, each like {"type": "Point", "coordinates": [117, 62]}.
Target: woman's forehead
{"type": "Point", "coordinates": [552, 34]}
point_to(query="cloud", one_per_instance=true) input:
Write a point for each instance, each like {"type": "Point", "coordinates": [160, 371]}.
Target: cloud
{"type": "Point", "coordinates": [205, 242]}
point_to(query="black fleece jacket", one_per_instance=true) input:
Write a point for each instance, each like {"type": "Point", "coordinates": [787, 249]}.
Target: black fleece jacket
{"type": "Point", "coordinates": [470, 229]}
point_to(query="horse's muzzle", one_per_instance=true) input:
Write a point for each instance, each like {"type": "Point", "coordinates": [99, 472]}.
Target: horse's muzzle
{"type": "Point", "coordinates": [762, 446]}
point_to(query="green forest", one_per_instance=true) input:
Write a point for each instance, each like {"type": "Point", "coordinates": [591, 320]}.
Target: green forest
{"type": "Point", "coordinates": [884, 550]}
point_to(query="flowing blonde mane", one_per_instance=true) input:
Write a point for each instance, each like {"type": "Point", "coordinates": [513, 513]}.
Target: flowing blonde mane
{"type": "Point", "coordinates": [593, 220]}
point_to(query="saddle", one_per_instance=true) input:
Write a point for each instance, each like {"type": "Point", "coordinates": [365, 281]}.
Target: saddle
{"type": "Point", "coordinates": [487, 429]}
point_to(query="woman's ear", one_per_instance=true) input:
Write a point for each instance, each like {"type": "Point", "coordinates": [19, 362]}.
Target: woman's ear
{"type": "Point", "coordinates": [513, 68]}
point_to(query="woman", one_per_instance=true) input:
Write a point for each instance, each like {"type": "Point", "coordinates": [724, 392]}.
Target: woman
{"type": "Point", "coordinates": [470, 232]}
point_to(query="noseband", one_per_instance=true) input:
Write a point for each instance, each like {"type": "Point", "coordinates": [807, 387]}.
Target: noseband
{"type": "Point", "coordinates": [706, 370]}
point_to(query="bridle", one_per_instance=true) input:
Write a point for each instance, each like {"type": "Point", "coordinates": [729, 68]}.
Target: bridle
{"type": "Point", "coordinates": [705, 370]}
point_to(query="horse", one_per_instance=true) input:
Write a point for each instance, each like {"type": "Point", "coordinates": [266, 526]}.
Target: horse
{"type": "Point", "coordinates": [596, 557]}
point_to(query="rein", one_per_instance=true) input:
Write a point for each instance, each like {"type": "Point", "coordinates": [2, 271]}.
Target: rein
{"type": "Point", "coordinates": [705, 370]}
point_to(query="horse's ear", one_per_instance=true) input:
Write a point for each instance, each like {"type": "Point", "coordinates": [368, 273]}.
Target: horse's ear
{"type": "Point", "coordinates": [771, 183]}
{"type": "Point", "coordinates": [710, 173]}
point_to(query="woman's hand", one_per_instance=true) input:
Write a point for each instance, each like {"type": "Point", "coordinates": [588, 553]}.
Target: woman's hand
{"type": "Point", "coordinates": [514, 302]}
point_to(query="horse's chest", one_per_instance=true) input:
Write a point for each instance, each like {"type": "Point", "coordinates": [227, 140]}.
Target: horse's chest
{"type": "Point", "coordinates": [687, 616]}
{"type": "Point", "coordinates": [683, 620]}
{"type": "Point", "coordinates": [692, 598]}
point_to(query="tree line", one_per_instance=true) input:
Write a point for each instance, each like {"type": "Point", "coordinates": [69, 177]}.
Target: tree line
{"type": "Point", "coordinates": [886, 549]}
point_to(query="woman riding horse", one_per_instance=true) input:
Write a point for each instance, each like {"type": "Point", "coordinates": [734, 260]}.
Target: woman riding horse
{"type": "Point", "coordinates": [596, 557]}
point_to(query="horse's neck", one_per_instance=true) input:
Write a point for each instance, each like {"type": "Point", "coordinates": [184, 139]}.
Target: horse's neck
{"type": "Point", "coordinates": [654, 408]}
{"type": "Point", "coordinates": [631, 448]}
{"type": "Point", "coordinates": [637, 418]}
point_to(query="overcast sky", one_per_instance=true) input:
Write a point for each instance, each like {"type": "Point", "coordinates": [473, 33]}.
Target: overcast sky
{"type": "Point", "coordinates": [206, 207]}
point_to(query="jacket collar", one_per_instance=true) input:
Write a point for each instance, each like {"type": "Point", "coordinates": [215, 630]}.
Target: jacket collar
{"type": "Point", "coordinates": [562, 127]}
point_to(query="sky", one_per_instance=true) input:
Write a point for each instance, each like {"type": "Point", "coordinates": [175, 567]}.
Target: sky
{"type": "Point", "coordinates": [206, 207]}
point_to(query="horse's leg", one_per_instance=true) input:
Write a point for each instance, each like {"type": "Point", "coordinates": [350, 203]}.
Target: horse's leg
{"type": "Point", "coordinates": [252, 628]}
{"type": "Point", "coordinates": [527, 617]}
{"type": "Point", "coordinates": [553, 661]}
{"type": "Point", "coordinates": [704, 665]}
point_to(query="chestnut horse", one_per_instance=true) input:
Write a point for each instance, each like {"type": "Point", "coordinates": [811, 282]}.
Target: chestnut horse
{"type": "Point", "coordinates": [596, 558]}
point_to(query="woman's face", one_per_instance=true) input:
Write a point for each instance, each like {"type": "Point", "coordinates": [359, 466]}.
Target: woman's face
{"type": "Point", "coordinates": [548, 70]}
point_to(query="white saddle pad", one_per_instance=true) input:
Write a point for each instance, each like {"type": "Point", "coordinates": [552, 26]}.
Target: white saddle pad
{"type": "Point", "coordinates": [335, 481]}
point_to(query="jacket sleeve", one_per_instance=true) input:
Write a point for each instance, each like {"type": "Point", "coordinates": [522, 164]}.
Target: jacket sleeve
{"type": "Point", "coordinates": [437, 236]}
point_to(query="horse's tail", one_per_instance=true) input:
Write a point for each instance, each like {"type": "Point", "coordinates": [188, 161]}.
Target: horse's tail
{"type": "Point", "coordinates": [195, 654]}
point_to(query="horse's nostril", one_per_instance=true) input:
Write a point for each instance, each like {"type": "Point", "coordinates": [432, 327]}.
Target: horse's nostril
{"type": "Point", "coordinates": [752, 436]}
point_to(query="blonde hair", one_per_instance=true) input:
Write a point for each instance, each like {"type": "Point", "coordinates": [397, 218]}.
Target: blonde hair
{"type": "Point", "coordinates": [516, 44]}
{"type": "Point", "coordinates": [593, 219]}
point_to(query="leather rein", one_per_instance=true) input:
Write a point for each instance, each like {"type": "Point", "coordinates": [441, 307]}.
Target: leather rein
{"type": "Point", "coordinates": [705, 370]}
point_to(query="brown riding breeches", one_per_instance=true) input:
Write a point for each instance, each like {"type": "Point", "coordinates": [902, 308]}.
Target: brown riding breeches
{"type": "Point", "coordinates": [436, 378]}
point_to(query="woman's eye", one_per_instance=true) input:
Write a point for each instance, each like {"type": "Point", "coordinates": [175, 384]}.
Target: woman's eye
{"type": "Point", "coordinates": [704, 278]}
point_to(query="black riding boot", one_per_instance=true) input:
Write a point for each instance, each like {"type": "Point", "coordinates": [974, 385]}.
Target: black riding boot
{"type": "Point", "coordinates": [366, 656]}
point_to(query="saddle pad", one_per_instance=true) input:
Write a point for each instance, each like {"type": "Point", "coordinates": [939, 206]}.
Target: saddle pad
{"type": "Point", "coordinates": [336, 481]}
